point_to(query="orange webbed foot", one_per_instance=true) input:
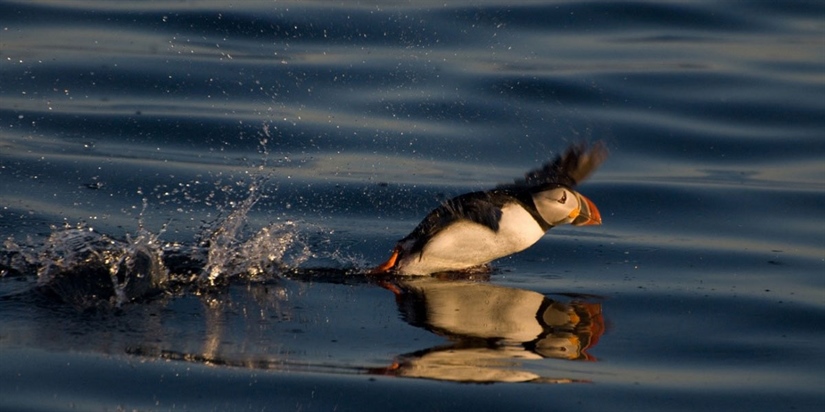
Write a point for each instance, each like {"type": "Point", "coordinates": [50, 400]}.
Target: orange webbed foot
{"type": "Point", "coordinates": [386, 266]}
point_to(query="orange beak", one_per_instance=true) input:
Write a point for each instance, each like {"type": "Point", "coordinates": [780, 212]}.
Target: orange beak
{"type": "Point", "coordinates": [386, 266]}
{"type": "Point", "coordinates": [589, 214]}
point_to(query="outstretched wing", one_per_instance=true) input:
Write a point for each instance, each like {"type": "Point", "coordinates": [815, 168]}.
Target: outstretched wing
{"type": "Point", "coordinates": [568, 169]}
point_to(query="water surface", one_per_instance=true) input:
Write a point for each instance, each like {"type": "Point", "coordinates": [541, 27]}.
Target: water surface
{"type": "Point", "coordinates": [265, 153]}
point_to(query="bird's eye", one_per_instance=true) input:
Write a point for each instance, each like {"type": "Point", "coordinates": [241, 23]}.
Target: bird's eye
{"type": "Point", "coordinates": [563, 197]}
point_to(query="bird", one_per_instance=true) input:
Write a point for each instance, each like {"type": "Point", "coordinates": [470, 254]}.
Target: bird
{"type": "Point", "coordinates": [469, 231]}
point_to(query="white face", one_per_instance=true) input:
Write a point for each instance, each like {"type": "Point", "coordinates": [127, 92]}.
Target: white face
{"type": "Point", "coordinates": [557, 206]}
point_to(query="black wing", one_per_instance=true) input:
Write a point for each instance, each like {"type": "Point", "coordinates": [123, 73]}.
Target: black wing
{"type": "Point", "coordinates": [480, 207]}
{"type": "Point", "coordinates": [568, 169]}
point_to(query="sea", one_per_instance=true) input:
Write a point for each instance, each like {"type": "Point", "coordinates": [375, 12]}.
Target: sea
{"type": "Point", "coordinates": [193, 193]}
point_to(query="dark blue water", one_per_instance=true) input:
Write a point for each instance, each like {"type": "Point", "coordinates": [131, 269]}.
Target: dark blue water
{"type": "Point", "coordinates": [261, 155]}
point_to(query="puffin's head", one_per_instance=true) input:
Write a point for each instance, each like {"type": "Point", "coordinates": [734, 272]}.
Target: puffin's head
{"type": "Point", "coordinates": [560, 205]}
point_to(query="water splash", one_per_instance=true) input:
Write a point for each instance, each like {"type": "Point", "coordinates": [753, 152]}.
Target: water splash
{"type": "Point", "coordinates": [89, 269]}
{"type": "Point", "coordinates": [270, 250]}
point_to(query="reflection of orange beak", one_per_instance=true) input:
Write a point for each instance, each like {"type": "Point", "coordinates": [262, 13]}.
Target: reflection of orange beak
{"type": "Point", "coordinates": [595, 327]}
{"type": "Point", "coordinates": [589, 214]}
{"type": "Point", "coordinates": [386, 266]}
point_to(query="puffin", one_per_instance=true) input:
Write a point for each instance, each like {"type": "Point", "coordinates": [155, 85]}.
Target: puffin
{"type": "Point", "coordinates": [467, 232]}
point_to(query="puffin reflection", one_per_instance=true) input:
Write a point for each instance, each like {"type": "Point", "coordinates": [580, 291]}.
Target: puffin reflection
{"type": "Point", "coordinates": [489, 333]}
{"type": "Point", "coordinates": [491, 330]}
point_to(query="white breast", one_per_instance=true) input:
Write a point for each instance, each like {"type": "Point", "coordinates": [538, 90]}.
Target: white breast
{"type": "Point", "coordinates": [465, 244]}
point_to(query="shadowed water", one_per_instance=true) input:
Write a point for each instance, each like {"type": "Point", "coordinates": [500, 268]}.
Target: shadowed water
{"type": "Point", "coordinates": [190, 193]}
